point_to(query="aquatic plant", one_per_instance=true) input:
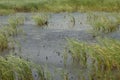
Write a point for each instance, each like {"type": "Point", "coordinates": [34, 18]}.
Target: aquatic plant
{"type": "Point", "coordinates": [11, 30]}
{"type": "Point", "coordinates": [117, 16]}
{"type": "Point", "coordinates": [15, 21]}
{"type": "Point", "coordinates": [15, 68]}
{"type": "Point", "coordinates": [63, 74]}
{"type": "Point", "coordinates": [8, 31]}
{"type": "Point", "coordinates": [41, 19]}
{"type": "Point", "coordinates": [102, 23]}
{"type": "Point", "coordinates": [100, 59]}
{"type": "Point", "coordinates": [3, 42]}
{"type": "Point", "coordinates": [5, 37]}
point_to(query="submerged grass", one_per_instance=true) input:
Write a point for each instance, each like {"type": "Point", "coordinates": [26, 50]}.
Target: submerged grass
{"type": "Point", "coordinates": [103, 23]}
{"type": "Point", "coordinates": [41, 19]}
{"type": "Point", "coordinates": [14, 68]}
{"type": "Point", "coordinates": [102, 60]}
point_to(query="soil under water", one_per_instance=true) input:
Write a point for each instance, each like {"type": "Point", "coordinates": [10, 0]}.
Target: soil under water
{"type": "Point", "coordinates": [46, 45]}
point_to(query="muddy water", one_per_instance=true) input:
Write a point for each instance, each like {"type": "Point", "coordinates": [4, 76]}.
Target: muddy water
{"type": "Point", "coordinates": [45, 45]}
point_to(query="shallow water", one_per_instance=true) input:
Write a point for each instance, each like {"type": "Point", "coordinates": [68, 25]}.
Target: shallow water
{"type": "Point", "coordinates": [46, 45]}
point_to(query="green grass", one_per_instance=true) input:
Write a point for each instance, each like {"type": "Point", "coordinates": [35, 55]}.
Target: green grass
{"type": "Point", "coordinates": [103, 57]}
{"type": "Point", "coordinates": [3, 42]}
{"type": "Point", "coordinates": [14, 68]}
{"type": "Point", "coordinates": [103, 23]}
{"type": "Point", "coordinates": [6, 12]}
{"type": "Point", "coordinates": [60, 5]}
{"type": "Point", "coordinates": [117, 16]}
{"type": "Point", "coordinates": [9, 31]}
{"type": "Point", "coordinates": [5, 35]}
{"type": "Point", "coordinates": [41, 19]}
{"type": "Point", "coordinates": [15, 21]}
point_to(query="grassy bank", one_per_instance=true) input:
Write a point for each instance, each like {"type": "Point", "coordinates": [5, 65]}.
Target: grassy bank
{"type": "Point", "coordinates": [59, 5]}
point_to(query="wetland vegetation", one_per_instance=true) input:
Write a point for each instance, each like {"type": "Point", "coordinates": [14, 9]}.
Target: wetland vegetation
{"type": "Point", "coordinates": [9, 31]}
{"type": "Point", "coordinates": [101, 58]}
{"type": "Point", "coordinates": [15, 68]}
{"type": "Point", "coordinates": [7, 6]}
{"type": "Point", "coordinates": [93, 56]}
{"type": "Point", "coordinates": [41, 19]}
{"type": "Point", "coordinates": [103, 23]}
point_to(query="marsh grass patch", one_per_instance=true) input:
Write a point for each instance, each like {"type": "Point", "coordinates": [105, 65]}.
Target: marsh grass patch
{"type": "Point", "coordinates": [16, 20]}
{"type": "Point", "coordinates": [15, 68]}
{"type": "Point", "coordinates": [103, 23]}
{"type": "Point", "coordinates": [8, 32]}
{"type": "Point", "coordinates": [101, 59]}
{"type": "Point", "coordinates": [41, 19]}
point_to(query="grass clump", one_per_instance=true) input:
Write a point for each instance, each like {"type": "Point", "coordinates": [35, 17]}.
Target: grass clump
{"type": "Point", "coordinates": [15, 21]}
{"type": "Point", "coordinates": [5, 37]}
{"type": "Point", "coordinates": [103, 24]}
{"type": "Point", "coordinates": [14, 68]}
{"type": "Point", "coordinates": [117, 16]}
{"type": "Point", "coordinates": [41, 19]}
{"type": "Point", "coordinates": [3, 42]}
{"type": "Point", "coordinates": [9, 31]}
{"type": "Point", "coordinates": [102, 60]}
